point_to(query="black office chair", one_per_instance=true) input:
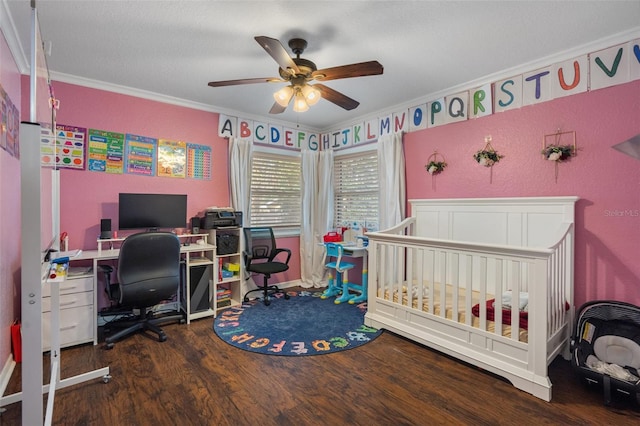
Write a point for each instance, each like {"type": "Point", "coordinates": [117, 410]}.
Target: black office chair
{"type": "Point", "coordinates": [260, 257]}
{"type": "Point", "coordinates": [148, 273]}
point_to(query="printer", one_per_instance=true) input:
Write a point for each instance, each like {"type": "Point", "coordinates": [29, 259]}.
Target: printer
{"type": "Point", "coordinates": [220, 218]}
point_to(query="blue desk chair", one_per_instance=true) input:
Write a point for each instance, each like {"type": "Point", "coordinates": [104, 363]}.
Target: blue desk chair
{"type": "Point", "coordinates": [338, 284]}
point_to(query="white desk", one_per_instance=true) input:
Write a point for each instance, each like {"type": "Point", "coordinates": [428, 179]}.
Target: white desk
{"type": "Point", "coordinates": [194, 255]}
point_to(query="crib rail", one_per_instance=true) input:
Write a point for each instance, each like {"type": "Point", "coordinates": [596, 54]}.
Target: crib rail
{"type": "Point", "coordinates": [448, 279]}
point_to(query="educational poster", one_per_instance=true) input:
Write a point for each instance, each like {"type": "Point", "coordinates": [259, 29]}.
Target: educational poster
{"type": "Point", "coordinates": [3, 118]}
{"type": "Point", "coordinates": [47, 147]}
{"type": "Point", "coordinates": [10, 127]}
{"type": "Point", "coordinates": [140, 156]}
{"type": "Point", "coordinates": [70, 146]}
{"type": "Point", "coordinates": [172, 158]}
{"type": "Point", "coordinates": [106, 151]}
{"type": "Point", "coordinates": [198, 161]}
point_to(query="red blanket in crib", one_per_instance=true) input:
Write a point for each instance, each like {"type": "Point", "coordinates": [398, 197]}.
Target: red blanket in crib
{"type": "Point", "coordinates": [506, 314]}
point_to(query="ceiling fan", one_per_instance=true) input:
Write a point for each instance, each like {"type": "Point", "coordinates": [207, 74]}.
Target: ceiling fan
{"type": "Point", "coordinates": [298, 72]}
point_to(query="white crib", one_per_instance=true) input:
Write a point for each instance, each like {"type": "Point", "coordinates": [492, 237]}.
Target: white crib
{"type": "Point", "coordinates": [443, 278]}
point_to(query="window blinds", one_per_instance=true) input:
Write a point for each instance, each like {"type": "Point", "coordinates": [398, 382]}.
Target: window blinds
{"type": "Point", "coordinates": [356, 189]}
{"type": "Point", "coordinates": [275, 190]}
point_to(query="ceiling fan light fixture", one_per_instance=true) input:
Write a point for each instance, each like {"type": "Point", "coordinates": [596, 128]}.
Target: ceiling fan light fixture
{"type": "Point", "coordinates": [298, 72]}
{"type": "Point", "coordinates": [299, 103]}
{"type": "Point", "coordinates": [283, 96]}
{"type": "Point", "coordinates": [311, 95]}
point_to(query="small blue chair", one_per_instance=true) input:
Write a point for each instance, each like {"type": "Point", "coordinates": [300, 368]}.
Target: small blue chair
{"type": "Point", "coordinates": [338, 284]}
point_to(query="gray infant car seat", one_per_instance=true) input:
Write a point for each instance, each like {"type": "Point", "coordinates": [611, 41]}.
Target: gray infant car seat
{"type": "Point", "coordinates": [605, 346]}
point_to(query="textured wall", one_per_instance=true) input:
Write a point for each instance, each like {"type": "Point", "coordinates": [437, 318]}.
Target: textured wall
{"type": "Point", "coordinates": [9, 213]}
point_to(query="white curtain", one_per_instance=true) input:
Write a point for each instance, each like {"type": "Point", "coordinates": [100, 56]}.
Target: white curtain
{"type": "Point", "coordinates": [240, 152]}
{"type": "Point", "coordinates": [391, 177]}
{"type": "Point", "coordinates": [317, 210]}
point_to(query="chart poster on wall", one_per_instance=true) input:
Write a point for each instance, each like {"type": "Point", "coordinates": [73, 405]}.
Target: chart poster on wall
{"type": "Point", "coordinates": [9, 124]}
{"type": "Point", "coordinates": [172, 158]}
{"type": "Point", "coordinates": [47, 147]}
{"type": "Point", "coordinates": [106, 151]}
{"type": "Point", "coordinates": [69, 151]}
{"type": "Point", "coordinates": [140, 156]}
{"type": "Point", "coordinates": [13, 126]}
{"type": "Point", "coordinates": [198, 161]}
{"type": "Point", "coordinates": [3, 118]}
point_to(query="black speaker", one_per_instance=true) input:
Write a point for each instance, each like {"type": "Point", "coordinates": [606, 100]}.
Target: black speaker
{"type": "Point", "coordinates": [105, 229]}
{"type": "Point", "coordinates": [195, 225]}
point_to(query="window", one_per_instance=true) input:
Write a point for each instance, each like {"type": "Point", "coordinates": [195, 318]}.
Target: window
{"type": "Point", "coordinates": [356, 189]}
{"type": "Point", "coordinates": [275, 190]}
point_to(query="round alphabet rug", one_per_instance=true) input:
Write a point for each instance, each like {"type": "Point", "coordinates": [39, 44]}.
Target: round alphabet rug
{"type": "Point", "coordinates": [305, 324]}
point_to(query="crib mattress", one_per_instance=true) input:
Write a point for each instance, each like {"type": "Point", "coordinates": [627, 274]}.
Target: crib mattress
{"type": "Point", "coordinates": [523, 334]}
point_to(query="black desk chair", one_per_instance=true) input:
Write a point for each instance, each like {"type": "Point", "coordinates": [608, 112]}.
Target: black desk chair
{"type": "Point", "coordinates": [148, 273]}
{"type": "Point", "coordinates": [260, 257]}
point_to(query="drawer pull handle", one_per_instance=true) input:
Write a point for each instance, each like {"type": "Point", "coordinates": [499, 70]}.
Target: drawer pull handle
{"type": "Point", "coordinates": [68, 327]}
{"type": "Point", "coordinates": [72, 302]}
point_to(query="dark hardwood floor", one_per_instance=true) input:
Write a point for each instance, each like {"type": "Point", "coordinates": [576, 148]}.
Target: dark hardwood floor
{"type": "Point", "coordinates": [194, 378]}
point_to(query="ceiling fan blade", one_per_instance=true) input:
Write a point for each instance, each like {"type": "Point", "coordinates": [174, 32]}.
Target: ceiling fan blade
{"type": "Point", "coordinates": [277, 108]}
{"type": "Point", "coordinates": [277, 51]}
{"type": "Point", "coordinates": [336, 97]}
{"type": "Point", "coordinates": [347, 71]}
{"type": "Point", "coordinates": [245, 81]}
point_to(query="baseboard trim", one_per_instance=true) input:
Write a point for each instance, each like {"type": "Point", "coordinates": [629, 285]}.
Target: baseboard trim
{"type": "Point", "coordinates": [5, 374]}
{"type": "Point", "coordinates": [289, 284]}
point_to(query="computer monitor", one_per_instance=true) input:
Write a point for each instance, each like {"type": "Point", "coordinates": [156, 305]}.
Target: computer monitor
{"type": "Point", "coordinates": [152, 211]}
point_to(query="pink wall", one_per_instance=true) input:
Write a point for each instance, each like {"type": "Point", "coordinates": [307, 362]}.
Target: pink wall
{"type": "Point", "coordinates": [9, 213]}
{"type": "Point", "coordinates": [607, 182]}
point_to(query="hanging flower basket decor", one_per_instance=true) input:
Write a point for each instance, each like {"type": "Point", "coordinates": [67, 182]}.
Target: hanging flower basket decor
{"type": "Point", "coordinates": [433, 166]}
{"type": "Point", "coordinates": [487, 156]}
{"type": "Point", "coordinates": [556, 151]}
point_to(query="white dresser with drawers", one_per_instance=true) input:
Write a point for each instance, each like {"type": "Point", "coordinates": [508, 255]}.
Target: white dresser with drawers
{"type": "Point", "coordinates": [77, 310]}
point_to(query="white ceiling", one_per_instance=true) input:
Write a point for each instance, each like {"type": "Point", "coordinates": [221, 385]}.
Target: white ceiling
{"type": "Point", "coordinates": [172, 49]}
